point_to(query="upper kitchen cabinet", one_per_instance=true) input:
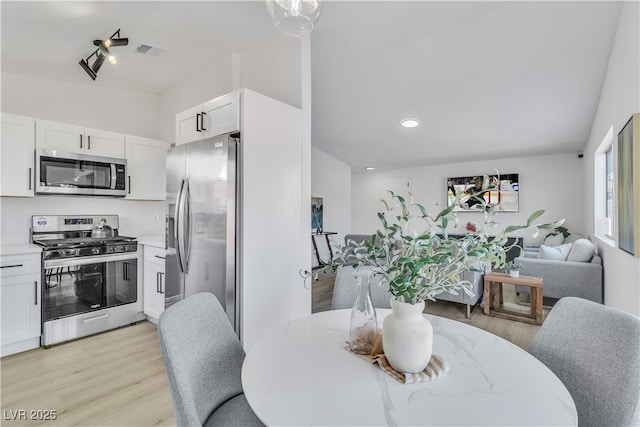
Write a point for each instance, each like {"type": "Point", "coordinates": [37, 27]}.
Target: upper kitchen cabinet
{"type": "Point", "coordinates": [77, 139]}
{"type": "Point", "coordinates": [146, 167]}
{"type": "Point", "coordinates": [215, 117]}
{"type": "Point", "coordinates": [17, 156]}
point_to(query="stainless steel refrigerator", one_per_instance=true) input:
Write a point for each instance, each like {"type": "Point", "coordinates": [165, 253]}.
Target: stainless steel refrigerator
{"type": "Point", "coordinates": [201, 222]}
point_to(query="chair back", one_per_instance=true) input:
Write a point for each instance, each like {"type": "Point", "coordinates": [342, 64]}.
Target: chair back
{"type": "Point", "coordinates": [595, 351]}
{"type": "Point", "coordinates": [202, 355]}
{"type": "Point", "coordinates": [344, 288]}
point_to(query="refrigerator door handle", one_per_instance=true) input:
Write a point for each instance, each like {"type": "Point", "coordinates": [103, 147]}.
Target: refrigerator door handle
{"type": "Point", "coordinates": [187, 222]}
{"type": "Point", "coordinates": [178, 228]}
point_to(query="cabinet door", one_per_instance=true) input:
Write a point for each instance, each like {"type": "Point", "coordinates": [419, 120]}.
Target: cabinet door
{"type": "Point", "coordinates": [104, 143]}
{"type": "Point", "coordinates": [188, 125]}
{"type": "Point", "coordinates": [17, 156]}
{"type": "Point", "coordinates": [20, 308]}
{"type": "Point", "coordinates": [60, 136]}
{"type": "Point", "coordinates": [146, 167]}
{"type": "Point", "coordinates": [154, 282]}
{"type": "Point", "coordinates": [221, 115]}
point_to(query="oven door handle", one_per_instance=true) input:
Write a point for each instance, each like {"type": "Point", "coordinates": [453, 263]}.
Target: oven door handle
{"type": "Point", "coordinates": [67, 262]}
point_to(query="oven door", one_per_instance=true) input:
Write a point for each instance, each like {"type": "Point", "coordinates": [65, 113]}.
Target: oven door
{"type": "Point", "coordinates": [79, 285]}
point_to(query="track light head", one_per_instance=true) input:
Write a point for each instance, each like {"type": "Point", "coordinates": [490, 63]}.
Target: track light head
{"type": "Point", "coordinates": [85, 66]}
{"type": "Point", "coordinates": [98, 63]}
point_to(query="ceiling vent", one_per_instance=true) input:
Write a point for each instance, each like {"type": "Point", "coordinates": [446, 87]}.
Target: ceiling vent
{"type": "Point", "coordinates": [147, 49]}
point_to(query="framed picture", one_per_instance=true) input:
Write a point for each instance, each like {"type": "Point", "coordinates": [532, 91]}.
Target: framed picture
{"type": "Point", "coordinates": [505, 197]}
{"type": "Point", "coordinates": [316, 214]}
{"type": "Point", "coordinates": [629, 186]}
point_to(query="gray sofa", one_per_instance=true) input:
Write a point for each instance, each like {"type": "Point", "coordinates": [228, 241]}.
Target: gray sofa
{"type": "Point", "coordinates": [564, 278]}
{"type": "Point", "coordinates": [344, 289]}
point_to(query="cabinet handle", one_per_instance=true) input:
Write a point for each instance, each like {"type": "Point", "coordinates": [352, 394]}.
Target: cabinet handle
{"type": "Point", "coordinates": [80, 140]}
{"type": "Point", "coordinates": [198, 122]}
{"type": "Point", "coordinates": [125, 271]}
{"type": "Point", "coordinates": [35, 288]}
{"type": "Point", "coordinates": [29, 178]}
{"type": "Point", "coordinates": [202, 121]}
{"type": "Point", "coordinates": [88, 142]}
{"type": "Point", "coordinates": [158, 256]}
{"type": "Point", "coordinates": [11, 266]}
{"type": "Point", "coordinates": [161, 274]}
{"type": "Point", "coordinates": [158, 282]}
{"type": "Point", "coordinates": [129, 176]}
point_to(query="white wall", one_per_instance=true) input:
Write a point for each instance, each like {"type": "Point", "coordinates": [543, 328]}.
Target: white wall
{"type": "Point", "coordinates": [129, 112]}
{"type": "Point", "coordinates": [553, 183]}
{"type": "Point", "coordinates": [620, 98]}
{"type": "Point", "coordinates": [136, 217]}
{"type": "Point", "coordinates": [331, 180]}
{"type": "Point", "coordinates": [133, 113]}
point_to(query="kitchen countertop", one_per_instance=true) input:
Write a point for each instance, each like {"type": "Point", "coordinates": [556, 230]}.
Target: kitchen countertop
{"type": "Point", "coordinates": [19, 249]}
{"type": "Point", "coordinates": [152, 240]}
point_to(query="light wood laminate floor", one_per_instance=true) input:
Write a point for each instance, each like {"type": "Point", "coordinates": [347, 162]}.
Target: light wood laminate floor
{"type": "Point", "coordinates": [117, 378]}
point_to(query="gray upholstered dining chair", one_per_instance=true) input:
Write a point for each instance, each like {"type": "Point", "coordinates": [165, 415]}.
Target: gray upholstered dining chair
{"type": "Point", "coordinates": [595, 351]}
{"type": "Point", "coordinates": [203, 358]}
{"type": "Point", "coordinates": [344, 288]}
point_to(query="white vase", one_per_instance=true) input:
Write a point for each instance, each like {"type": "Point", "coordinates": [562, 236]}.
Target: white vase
{"type": "Point", "coordinates": [514, 273]}
{"type": "Point", "coordinates": [407, 337]}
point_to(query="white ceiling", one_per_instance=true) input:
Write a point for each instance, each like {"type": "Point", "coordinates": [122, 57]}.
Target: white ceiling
{"type": "Point", "coordinates": [486, 79]}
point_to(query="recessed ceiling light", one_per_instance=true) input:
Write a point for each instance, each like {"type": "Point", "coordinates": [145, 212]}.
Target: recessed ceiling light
{"type": "Point", "coordinates": [410, 123]}
{"type": "Point", "coordinates": [369, 168]}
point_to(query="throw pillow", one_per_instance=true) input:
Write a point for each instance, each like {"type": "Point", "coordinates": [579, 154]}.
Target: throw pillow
{"type": "Point", "coordinates": [556, 253]}
{"type": "Point", "coordinates": [571, 238]}
{"type": "Point", "coordinates": [554, 240]}
{"type": "Point", "coordinates": [582, 250]}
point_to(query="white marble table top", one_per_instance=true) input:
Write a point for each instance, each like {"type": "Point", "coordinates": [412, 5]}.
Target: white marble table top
{"type": "Point", "coordinates": [300, 374]}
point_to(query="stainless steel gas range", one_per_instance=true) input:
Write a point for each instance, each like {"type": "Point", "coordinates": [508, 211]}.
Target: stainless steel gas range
{"type": "Point", "coordinates": [89, 275]}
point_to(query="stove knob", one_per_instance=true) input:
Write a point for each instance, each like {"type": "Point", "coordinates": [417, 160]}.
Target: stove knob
{"type": "Point", "coordinates": [95, 251]}
{"type": "Point", "coordinates": [62, 253]}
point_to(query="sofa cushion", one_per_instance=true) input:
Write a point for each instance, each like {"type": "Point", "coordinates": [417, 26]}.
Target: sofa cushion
{"type": "Point", "coordinates": [571, 238]}
{"type": "Point", "coordinates": [556, 253]}
{"type": "Point", "coordinates": [554, 240]}
{"type": "Point", "coordinates": [582, 250]}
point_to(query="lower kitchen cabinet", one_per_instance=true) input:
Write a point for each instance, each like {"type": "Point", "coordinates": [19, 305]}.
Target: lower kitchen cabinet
{"type": "Point", "coordinates": [20, 303]}
{"type": "Point", "coordinates": [154, 282]}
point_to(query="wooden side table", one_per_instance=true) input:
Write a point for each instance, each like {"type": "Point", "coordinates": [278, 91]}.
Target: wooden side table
{"type": "Point", "coordinates": [493, 301]}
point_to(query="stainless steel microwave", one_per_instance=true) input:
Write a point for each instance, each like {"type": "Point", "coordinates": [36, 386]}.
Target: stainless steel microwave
{"type": "Point", "coordinates": [79, 174]}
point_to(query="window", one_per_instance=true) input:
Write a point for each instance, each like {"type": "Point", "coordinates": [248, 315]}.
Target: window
{"type": "Point", "coordinates": [604, 189]}
{"type": "Point", "coordinates": [609, 196]}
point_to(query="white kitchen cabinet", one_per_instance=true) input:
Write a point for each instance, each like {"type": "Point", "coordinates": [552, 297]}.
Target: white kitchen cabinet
{"type": "Point", "coordinates": [146, 168]}
{"type": "Point", "coordinates": [20, 303]}
{"type": "Point", "coordinates": [154, 282]}
{"type": "Point", "coordinates": [17, 156]}
{"type": "Point", "coordinates": [79, 140]}
{"type": "Point", "coordinates": [216, 117]}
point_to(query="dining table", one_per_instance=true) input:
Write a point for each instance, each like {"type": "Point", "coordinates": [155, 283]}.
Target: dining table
{"type": "Point", "coordinates": [302, 374]}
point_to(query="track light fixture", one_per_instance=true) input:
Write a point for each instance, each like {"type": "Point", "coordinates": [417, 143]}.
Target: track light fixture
{"type": "Point", "coordinates": [101, 53]}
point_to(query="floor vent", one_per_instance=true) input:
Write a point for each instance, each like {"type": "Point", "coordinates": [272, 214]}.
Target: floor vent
{"type": "Point", "coordinates": [147, 49]}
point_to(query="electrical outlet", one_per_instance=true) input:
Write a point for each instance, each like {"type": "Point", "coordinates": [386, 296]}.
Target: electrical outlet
{"type": "Point", "coordinates": [156, 217]}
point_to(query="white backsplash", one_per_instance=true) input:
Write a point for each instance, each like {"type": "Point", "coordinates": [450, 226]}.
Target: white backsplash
{"type": "Point", "coordinates": [137, 218]}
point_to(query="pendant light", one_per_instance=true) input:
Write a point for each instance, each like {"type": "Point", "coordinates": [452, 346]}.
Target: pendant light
{"type": "Point", "coordinates": [294, 18]}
